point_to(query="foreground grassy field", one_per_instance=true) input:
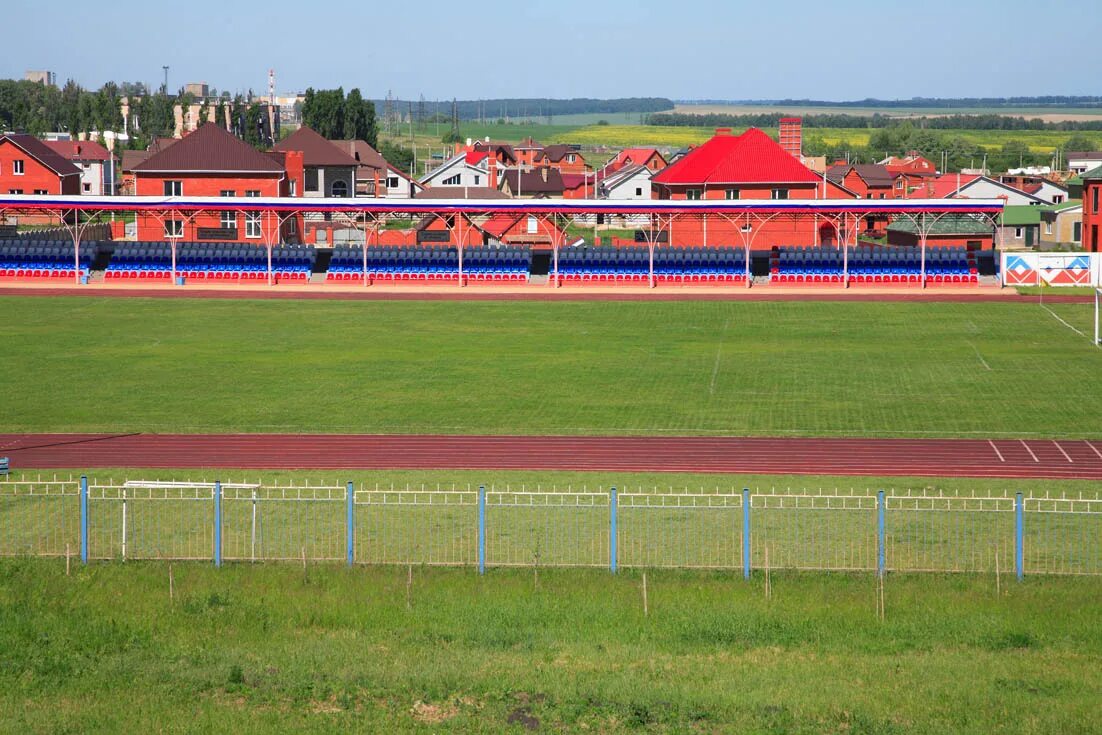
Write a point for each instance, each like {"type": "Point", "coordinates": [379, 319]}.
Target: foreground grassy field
{"type": "Point", "coordinates": [804, 368]}
{"type": "Point", "coordinates": [808, 368]}
{"type": "Point", "coordinates": [269, 648]}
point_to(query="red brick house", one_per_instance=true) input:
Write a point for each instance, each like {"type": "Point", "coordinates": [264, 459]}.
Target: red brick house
{"type": "Point", "coordinates": [908, 171]}
{"type": "Point", "coordinates": [211, 162]}
{"type": "Point", "coordinates": [866, 181]}
{"type": "Point", "coordinates": [647, 157]}
{"type": "Point", "coordinates": [539, 233]}
{"type": "Point", "coordinates": [29, 166]}
{"type": "Point", "coordinates": [739, 167]}
{"type": "Point", "coordinates": [1092, 210]}
{"type": "Point", "coordinates": [563, 157]}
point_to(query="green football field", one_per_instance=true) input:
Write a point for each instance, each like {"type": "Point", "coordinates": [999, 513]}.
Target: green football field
{"type": "Point", "coordinates": [694, 367]}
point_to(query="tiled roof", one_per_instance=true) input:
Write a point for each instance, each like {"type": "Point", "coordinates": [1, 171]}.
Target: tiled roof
{"type": "Point", "coordinates": [873, 174]}
{"type": "Point", "coordinates": [130, 159]}
{"type": "Point", "coordinates": [1020, 215]}
{"type": "Point", "coordinates": [42, 153]}
{"type": "Point", "coordinates": [950, 224]}
{"type": "Point", "coordinates": [532, 181]}
{"type": "Point", "coordinates": [750, 158]}
{"type": "Point", "coordinates": [316, 150]}
{"type": "Point", "coordinates": [557, 152]}
{"type": "Point", "coordinates": [473, 158]}
{"type": "Point", "coordinates": [79, 150]}
{"type": "Point", "coordinates": [210, 148]}
{"type": "Point", "coordinates": [638, 156]}
{"type": "Point", "coordinates": [363, 153]}
{"type": "Point", "coordinates": [943, 186]}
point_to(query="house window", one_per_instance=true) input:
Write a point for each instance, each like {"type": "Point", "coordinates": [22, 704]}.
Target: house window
{"type": "Point", "coordinates": [532, 226]}
{"type": "Point", "coordinates": [174, 188]}
{"type": "Point", "coordinates": [1017, 233]}
{"type": "Point", "coordinates": [477, 180]}
{"type": "Point", "coordinates": [252, 224]}
{"type": "Point", "coordinates": [311, 179]}
{"type": "Point", "coordinates": [43, 192]}
{"type": "Point", "coordinates": [780, 194]}
{"type": "Point", "coordinates": [17, 167]}
{"type": "Point", "coordinates": [86, 187]}
{"type": "Point", "coordinates": [732, 194]}
{"type": "Point", "coordinates": [1048, 228]}
{"type": "Point", "coordinates": [571, 158]}
{"type": "Point", "coordinates": [692, 194]}
{"type": "Point", "coordinates": [869, 195]}
{"type": "Point", "coordinates": [392, 182]}
{"type": "Point", "coordinates": [1057, 198]}
{"type": "Point", "coordinates": [451, 181]}
{"type": "Point", "coordinates": [252, 193]}
{"type": "Point", "coordinates": [1076, 231]}
{"type": "Point", "coordinates": [229, 220]}
{"type": "Point", "coordinates": [174, 228]}
{"type": "Point", "coordinates": [881, 195]}
{"type": "Point", "coordinates": [638, 191]}
{"type": "Point", "coordinates": [338, 189]}
{"type": "Point", "coordinates": [293, 188]}
{"type": "Point", "coordinates": [227, 193]}
{"type": "Point", "coordinates": [292, 226]}
{"type": "Point", "coordinates": [1094, 200]}
{"type": "Point", "coordinates": [15, 191]}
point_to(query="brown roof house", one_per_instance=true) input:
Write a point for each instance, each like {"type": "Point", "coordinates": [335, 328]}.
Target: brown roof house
{"type": "Point", "coordinates": [328, 170]}
{"type": "Point", "coordinates": [543, 182]}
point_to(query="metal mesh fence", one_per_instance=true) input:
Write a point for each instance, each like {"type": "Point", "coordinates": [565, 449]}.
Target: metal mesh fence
{"type": "Point", "coordinates": [814, 530]}
{"type": "Point", "coordinates": [39, 518]}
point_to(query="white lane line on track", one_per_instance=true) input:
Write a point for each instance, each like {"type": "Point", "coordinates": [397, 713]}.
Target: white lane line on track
{"type": "Point", "coordinates": [1094, 449]}
{"type": "Point", "coordinates": [1031, 454]}
{"type": "Point", "coordinates": [1066, 455]}
{"type": "Point", "coordinates": [997, 452]}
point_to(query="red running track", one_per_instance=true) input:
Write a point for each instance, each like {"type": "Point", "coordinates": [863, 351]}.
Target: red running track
{"type": "Point", "coordinates": [1006, 458]}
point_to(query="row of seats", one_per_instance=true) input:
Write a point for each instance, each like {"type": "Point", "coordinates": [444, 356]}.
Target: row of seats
{"type": "Point", "coordinates": [429, 263]}
{"type": "Point", "coordinates": [193, 258]}
{"type": "Point", "coordinates": [671, 265]}
{"type": "Point", "coordinates": [874, 264]}
{"type": "Point", "coordinates": [43, 258]}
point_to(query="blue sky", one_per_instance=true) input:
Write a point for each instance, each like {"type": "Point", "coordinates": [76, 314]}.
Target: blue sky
{"type": "Point", "coordinates": [683, 49]}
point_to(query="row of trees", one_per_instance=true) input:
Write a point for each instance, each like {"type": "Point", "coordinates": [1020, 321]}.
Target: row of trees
{"type": "Point", "coordinates": [38, 108]}
{"type": "Point", "coordinates": [845, 120]}
{"type": "Point", "coordinates": [336, 117]}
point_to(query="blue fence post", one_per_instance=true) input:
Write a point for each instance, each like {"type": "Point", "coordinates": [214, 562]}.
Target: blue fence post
{"type": "Point", "coordinates": [350, 523]}
{"type": "Point", "coordinates": [1019, 540]}
{"type": "Point", "coordinates": [83, 519]}
{"type": "Point", "coordinates": [482, 529]}
{"type": "Point", "coordinates": [880, 507]}
{"type": "Point", "coordinates": [217, 524]}
{"type": "Point", "coordinates": [746, 532]}
{"type": "Point", "coordinates": [613, 503]}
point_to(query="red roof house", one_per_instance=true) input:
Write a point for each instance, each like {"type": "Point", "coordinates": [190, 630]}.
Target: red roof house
{"type": "Point", "coordinates": [29, 166]}
{"type": "Point", "coordinates": [211, 162]}
{"type": "Point", "coordinates": [747, 166]}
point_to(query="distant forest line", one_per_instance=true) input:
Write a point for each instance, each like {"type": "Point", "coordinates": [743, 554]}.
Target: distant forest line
{"type": "Point", "coordinates": [531, 107]}
{"type": "Point", "coordinates": [1045, 101]}
{"type": "Point", "coordinates": [842, 120]}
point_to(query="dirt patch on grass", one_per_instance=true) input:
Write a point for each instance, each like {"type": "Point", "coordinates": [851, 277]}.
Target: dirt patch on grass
{"type": "Point", "coordinates": [433, 714]}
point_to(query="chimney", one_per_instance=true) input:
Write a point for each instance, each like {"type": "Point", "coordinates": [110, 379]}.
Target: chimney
{"type": "Point", "coordinates": [469, 143]}
{"type": "Point", "coordinates": [491, 172]}
{"type": "Point", "coordinates": [724, 131]}
{"type": "Point", "coordinates": [791, 137]}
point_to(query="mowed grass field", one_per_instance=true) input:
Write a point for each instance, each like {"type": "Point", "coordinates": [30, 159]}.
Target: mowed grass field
{"type": "Point", "coordinates": [274, 648]}
{"type": "Point", "coordinates": [732, 368]}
